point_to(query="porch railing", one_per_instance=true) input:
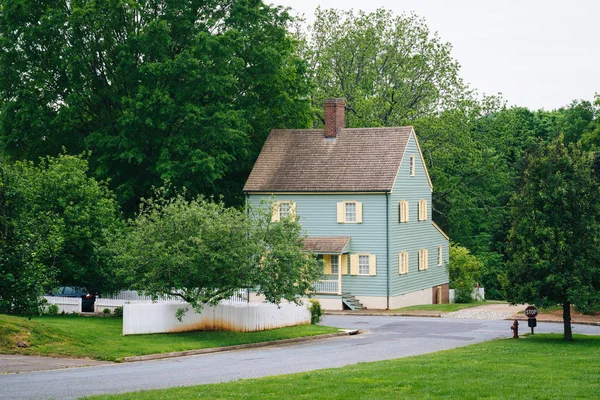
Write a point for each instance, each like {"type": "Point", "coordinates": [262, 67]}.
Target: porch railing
{"type": "Point", "coordinates": [326, 286]}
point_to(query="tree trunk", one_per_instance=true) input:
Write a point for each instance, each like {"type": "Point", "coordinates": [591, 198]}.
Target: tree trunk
{"type": "Point", "coordinates": [567, 321]}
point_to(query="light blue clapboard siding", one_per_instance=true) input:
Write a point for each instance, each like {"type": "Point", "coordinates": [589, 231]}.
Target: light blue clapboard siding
{"type": "Point", "coordinates": [414, 235]}
{"type": "Point", "coordinates": [318, 215]}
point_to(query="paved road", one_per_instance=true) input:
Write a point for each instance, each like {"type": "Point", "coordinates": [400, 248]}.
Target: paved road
{"type": "Point", "coordinates": [384, 338]}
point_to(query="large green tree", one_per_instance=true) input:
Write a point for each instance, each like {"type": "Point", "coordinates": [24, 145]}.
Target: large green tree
{"type": "Point", "coordinates": [554, 242]}
{"type": "Point", "coordinates": [54, 222]}
{"type": "Point", "coordinates": [26, 238]}
{"type": "Point", "coordinates": [204, 252]}
{"type": "Point", "coordinates": [389, 69]}
{"type": "Point", "coordinates": [159, 90]}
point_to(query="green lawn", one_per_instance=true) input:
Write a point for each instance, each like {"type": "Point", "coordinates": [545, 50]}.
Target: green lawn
{"type": "Point", "coordinates": [101, 338]}
{"type": "Point", "coordinates": [445, 307]}
{"type": "Point", "coordinates": [538, 367]}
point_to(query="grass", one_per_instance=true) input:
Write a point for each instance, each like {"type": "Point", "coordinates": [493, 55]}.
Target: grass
{"type": "Point", "coordinates": [538, 367]}
{"type": "Point", "coordinates": [100, 338]}
{"type": "Point", "coordinates": [445, 307]}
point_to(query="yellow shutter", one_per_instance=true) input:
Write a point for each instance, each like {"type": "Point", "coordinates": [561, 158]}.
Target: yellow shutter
{"type": "Point", "coordinates": [293, 211]}
{"type": "Point", "coordinates": [275, 213]}
{"type": "Point", "coordinates": [344, 264]}
{"type": "Point", "coordinates": [400, 212]}
{"type": "Point", "coordinates": [341, 213]}
{"type": "Point", "coordinates": [372, 264]}
{"type": "Point", "coordinates": [327, 259]}
{"type": "Point", "coordinates": [353, 264]}
{"type": "Point", "coordinates": [426, 257]}
{"type": "Point", "coordinates": [406, 262]}
{"type": "Point", "coordinates": [358, 212]}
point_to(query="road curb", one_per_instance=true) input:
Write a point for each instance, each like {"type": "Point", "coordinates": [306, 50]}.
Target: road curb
{"type": "Point", "coordinates": [523, 318]}
{"type": "Point", "coordinates": [149, 357]}
{"type": "Point", "coordinates": [384, 314]}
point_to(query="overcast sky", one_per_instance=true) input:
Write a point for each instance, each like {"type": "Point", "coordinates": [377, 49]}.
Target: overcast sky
{"type": "Point", "coordinates": [538, 54]}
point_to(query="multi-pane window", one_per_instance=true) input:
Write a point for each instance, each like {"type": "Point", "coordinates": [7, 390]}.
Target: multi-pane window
{"type": "Point", "coordinates": [412, 165]}
{"type": "Point", "coordinates": [363, 265]}
{"type": "Point", "coordinates": [403, 263]}
{"type": "Point", "coordinates": [440, 256]}
{"type": "Point", "coordinates": [284, 210]}
{"type": "Point", "coordinates": [423, 258]}
{"type": "Point", "coordinates": [350, 212]}
{"type": "Point", "coordinates": [335, 265]}
{"type": "Point", "coordinates": [403, 211]}
{"type": "Point", "coordinates": [422, 210]}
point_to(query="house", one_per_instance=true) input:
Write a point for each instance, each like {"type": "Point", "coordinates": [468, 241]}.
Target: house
{"type": "Point", "coordinates": [363, 197]}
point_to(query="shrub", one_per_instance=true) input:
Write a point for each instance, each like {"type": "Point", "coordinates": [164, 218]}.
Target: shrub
{"type": "Point", "coordinates": [118, 312]}
{"type": "Point", "coordinates": [465, 271]}
{"type": "Point", "coordinates": [106, 311]}
{"type": "Point", "coordinates": [316, 312]}
{"type": "Point", "coordinates": [52, 309]}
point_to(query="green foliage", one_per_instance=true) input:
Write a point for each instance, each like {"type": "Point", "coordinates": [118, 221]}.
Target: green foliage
{"type": "Point", "coordinates": [316, 312]}
{"type": "Point", "coordinates": [106, 311]}
{"type": "Point", "coordinates": [52, 309]}
{"type": "Point", "coordinates": [204, 252]}
{"type": "Point", "coordinates": [465, 271]}
{"type": "Point", "coordinates": [54, 220]}
{"type": "Point", "coordinates": [389, 69]}
{"type": "Point", "coordinates": [118, 312]}
{"type": "Point", "coordinates": [27, 236]}
{"type": "Point", "coordinates": [159, 90]}
{"type": "Point", "coordinates": [553, 252]}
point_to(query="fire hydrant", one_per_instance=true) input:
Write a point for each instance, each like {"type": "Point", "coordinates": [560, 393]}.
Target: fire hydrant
{"type": "Point", "coordinates": [515, 329]}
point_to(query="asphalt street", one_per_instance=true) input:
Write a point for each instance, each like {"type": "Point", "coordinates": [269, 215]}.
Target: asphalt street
{"type": "Point", "coordinates": [382, 338]}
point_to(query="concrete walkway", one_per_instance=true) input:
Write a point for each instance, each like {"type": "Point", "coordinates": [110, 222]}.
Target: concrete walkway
{"type": "Point", "coordinates": [11, 363]}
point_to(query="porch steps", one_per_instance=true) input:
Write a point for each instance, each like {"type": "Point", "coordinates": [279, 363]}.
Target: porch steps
{"type": "Point", "coordinates": [351, 302]}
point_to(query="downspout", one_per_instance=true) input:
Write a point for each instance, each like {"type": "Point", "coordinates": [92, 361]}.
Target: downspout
{"type": "Point", "coordinates": [387, 249]}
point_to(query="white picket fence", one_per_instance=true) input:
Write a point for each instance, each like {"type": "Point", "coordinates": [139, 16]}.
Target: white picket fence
{"type": "Point", "coordinates": [67, 305]}
{"type": "Point", "coordinates": [134, 297]}
{"type": "Point", "coordinates": [240, 317]}
{"type": "Point", "coordinates": [478, 294]}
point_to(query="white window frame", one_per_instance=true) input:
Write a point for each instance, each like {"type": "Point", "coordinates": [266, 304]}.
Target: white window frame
{"type": "Point", "coordinates": [423, 259]}
{"type": "Point", "coordinates": [403, 211]}
{"type": "Point", "coordinates": [403, 263]}
{"type": "Point", "coordinates": [288, 212]}
{"type": "Point", "coordinates": [412, 165]}
{"type": "Point", "coordinates": [422, 210]}
{"type": "Point", "coordinates": [363, 271]}
{"type": "Point", "coordinates": [347, 213]}
{"type": "Point", "coordinates": [276, 212]}
{"type": "Point", "coordinates": [336, 258]}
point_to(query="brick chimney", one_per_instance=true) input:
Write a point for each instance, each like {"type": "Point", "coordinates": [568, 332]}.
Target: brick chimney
{"type": "Point", "coordinates": [334, 117]}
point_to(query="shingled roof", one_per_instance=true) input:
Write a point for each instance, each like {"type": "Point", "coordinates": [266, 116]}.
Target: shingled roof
{"type": "Point", "coordinates": [357, 160]}
{"type": "Point", "coordinates": [326, 244]}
